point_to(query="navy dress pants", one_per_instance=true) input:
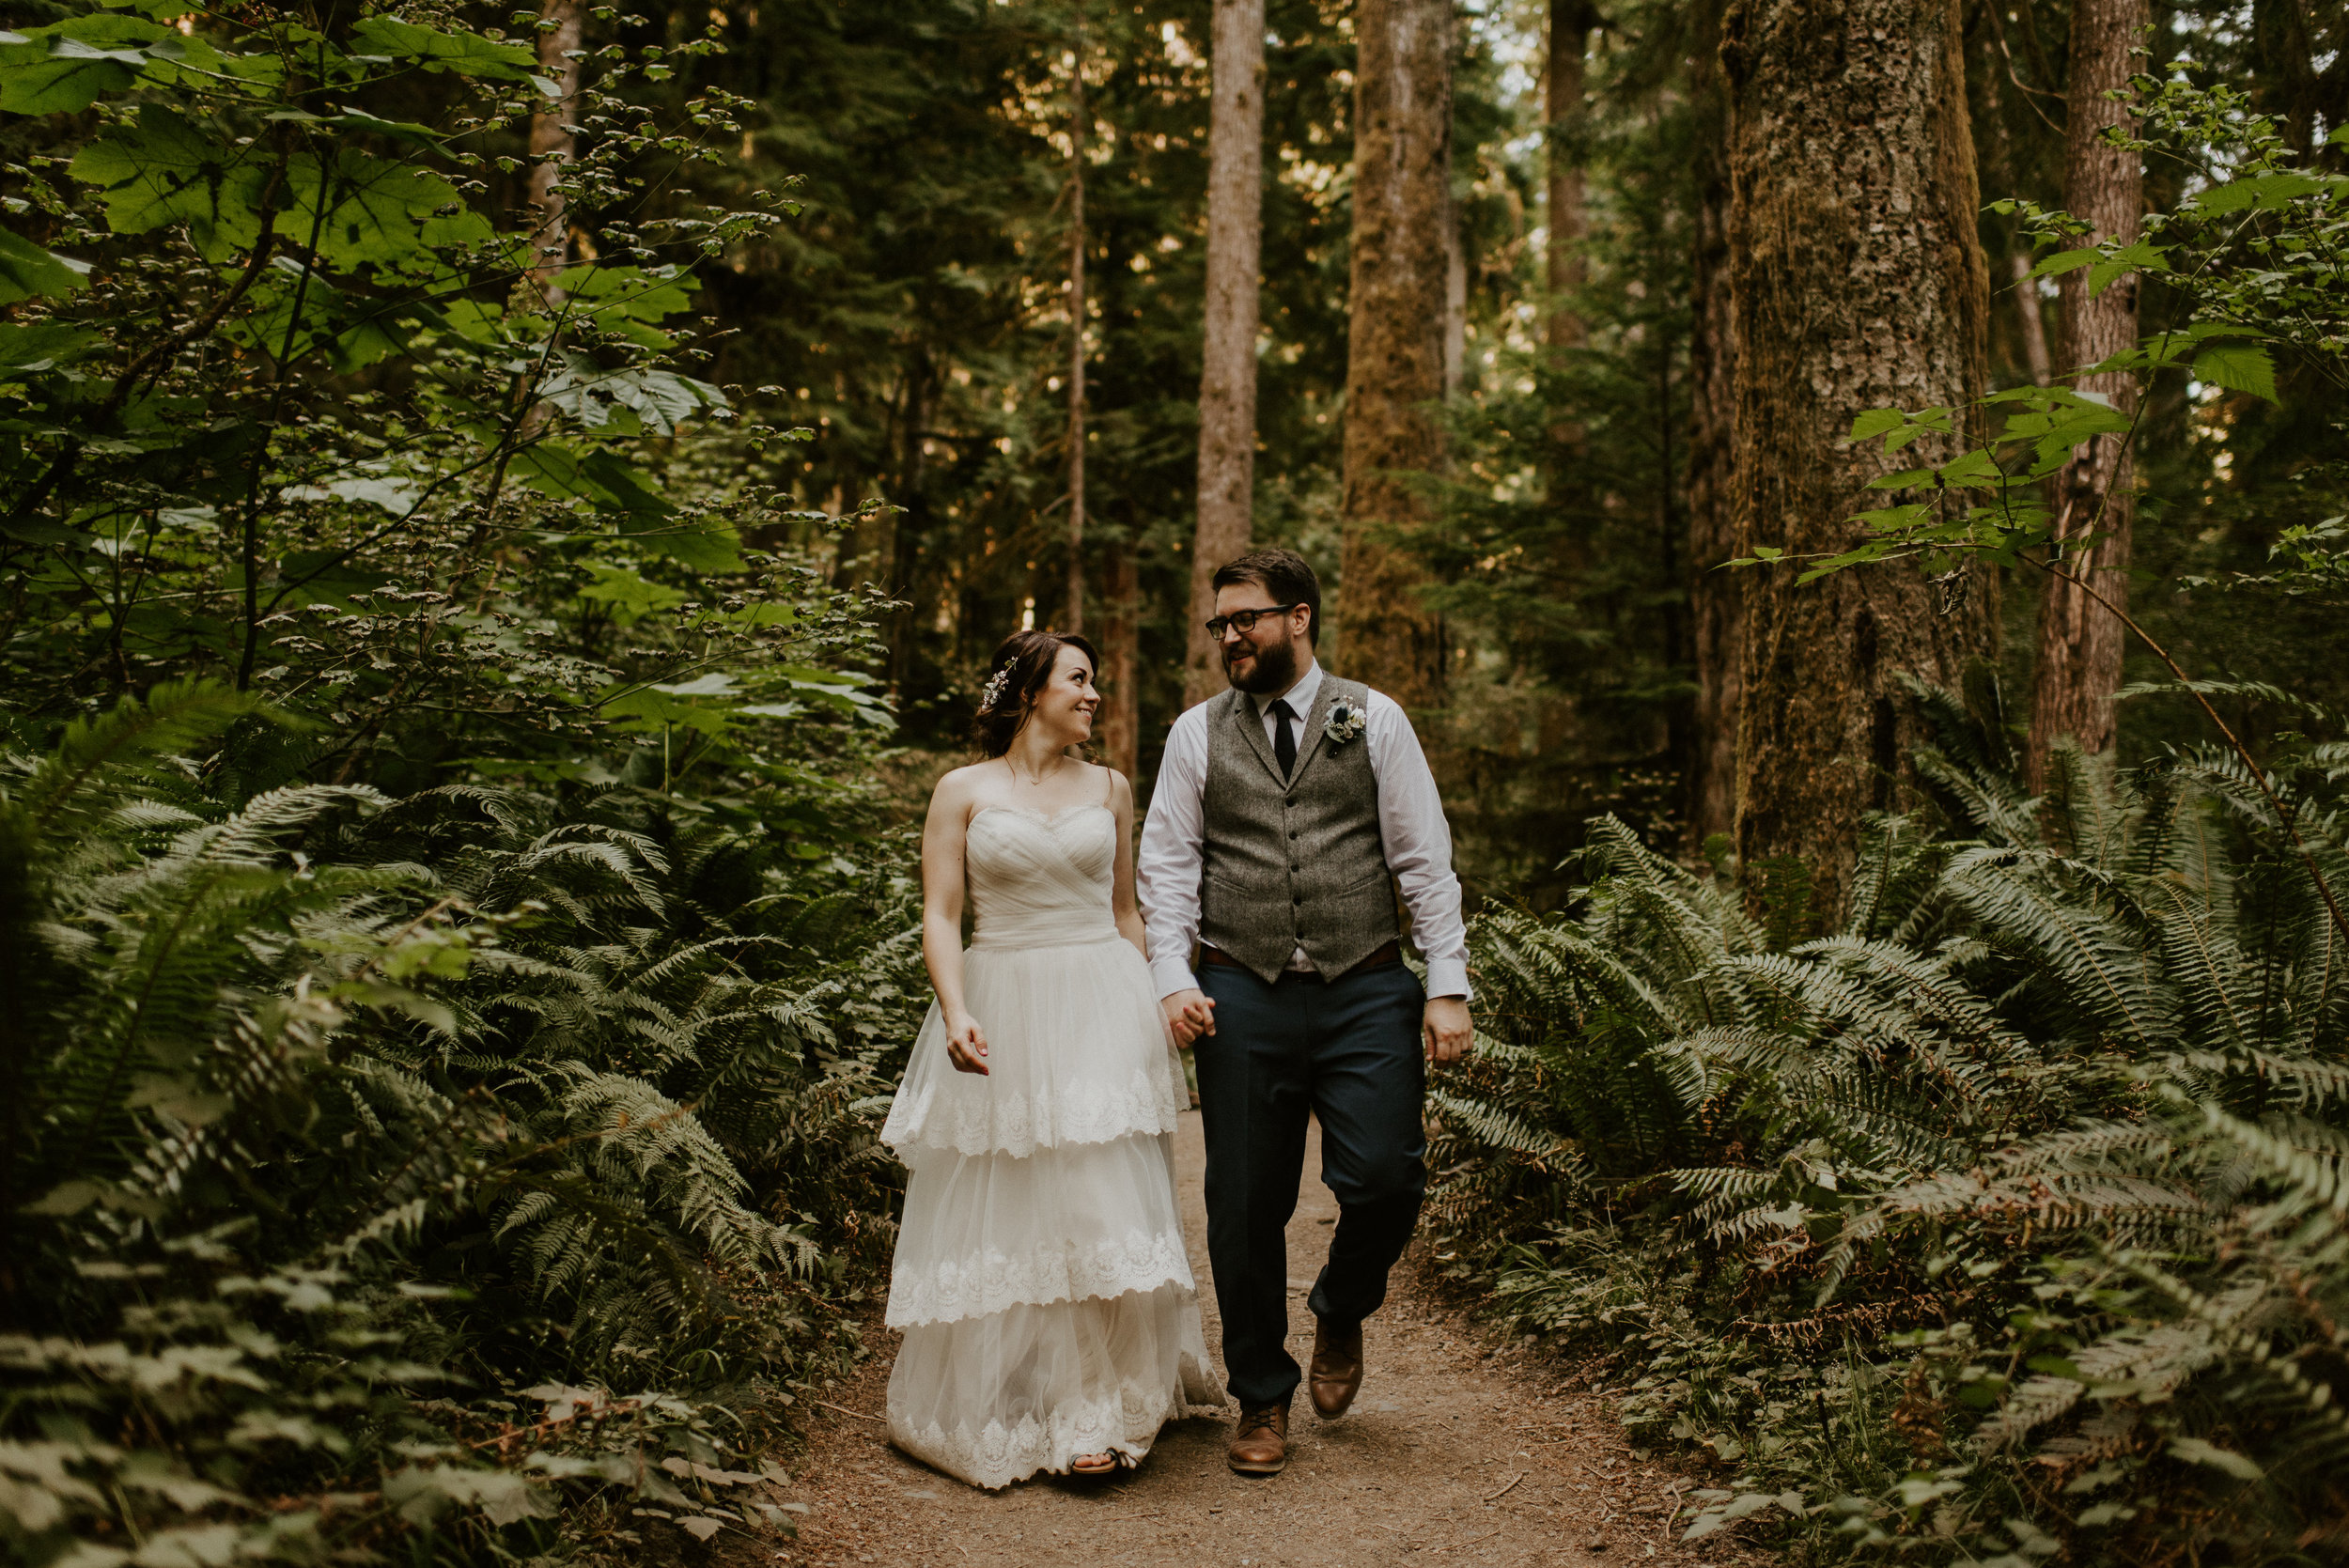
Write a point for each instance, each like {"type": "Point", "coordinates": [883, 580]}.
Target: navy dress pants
{"type": "Point", "coordinates": [1348, 1052]}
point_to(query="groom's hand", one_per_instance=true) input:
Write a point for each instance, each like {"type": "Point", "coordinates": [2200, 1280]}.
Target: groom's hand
{"type": "Point", "coordinates": [1445, 1024]}
{"type": "Point", "coordinates": [1189, 1014]}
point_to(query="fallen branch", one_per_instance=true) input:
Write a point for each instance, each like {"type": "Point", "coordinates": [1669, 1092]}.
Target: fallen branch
{"type": "Point", "coordinates": [879, 1420]}
{"type": "Point", "coordinates": [1511, 1487]}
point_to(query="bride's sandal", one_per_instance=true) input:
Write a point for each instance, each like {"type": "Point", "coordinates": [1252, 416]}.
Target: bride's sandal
{"type": "Point", "coordinates": [1093, 1464]}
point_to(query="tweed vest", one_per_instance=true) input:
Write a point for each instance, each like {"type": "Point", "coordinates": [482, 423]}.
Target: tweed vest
{"type": "Point", "coordinates": [1293, 864]}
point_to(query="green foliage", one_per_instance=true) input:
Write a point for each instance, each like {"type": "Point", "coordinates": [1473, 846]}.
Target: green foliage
{"type": "Point", "coordinates": [358, 1144]}
{"type": "Point", "coordinates": [2258, 257]}
{"type": "Point", "coordinates": [2007, 1221]}
{"type": "Point", "coordinates": [448, 976]}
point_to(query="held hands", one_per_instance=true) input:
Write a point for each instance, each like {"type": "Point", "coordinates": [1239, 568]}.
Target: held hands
{"type": "Point", "coordinates": [1190, 1015]}
{"type": "Point", "coordinates": [966, 1044]}
{"type": "Point", "coordinates": [1446, 1028]}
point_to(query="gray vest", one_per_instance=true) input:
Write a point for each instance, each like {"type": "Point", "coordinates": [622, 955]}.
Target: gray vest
{"type": "Point", "coordinates": [1294, 864]}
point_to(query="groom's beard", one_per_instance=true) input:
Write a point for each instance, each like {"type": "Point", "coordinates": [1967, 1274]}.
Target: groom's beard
{"type": "Point", "coordinates": [1274, 668]}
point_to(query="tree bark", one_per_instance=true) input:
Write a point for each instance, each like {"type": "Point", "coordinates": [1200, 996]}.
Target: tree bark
{"type": "Point", "coordinates": [1121, 658]}
{"type": "Point", "coordinates": [1564, 80]}
{"type": "Point", "coordinates": [553, 147]}
{"type": "Point", "coordinates": [1073, 614]}
{"type": "Point", "coordinates": [1227, 381]}
{"type": "Point", "coordinates": [1716, 597]}
{"type": "Point", "coordinates": [2079, 668]}
{"type": "Point", "coordinates": [1860, 283]}
{"type": "Point", "coordinates": [2032, 326]}
{"type": "Point", "coordinates": [1394, 342]}
{"type": "Point", "coordinates": [1454, 301]}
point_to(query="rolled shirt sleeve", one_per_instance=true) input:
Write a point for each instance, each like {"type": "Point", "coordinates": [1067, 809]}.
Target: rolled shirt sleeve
{"type": "Point", "coordinates": [1418, 846]}
{"type": "Point", "coordinates": [1167, 874]}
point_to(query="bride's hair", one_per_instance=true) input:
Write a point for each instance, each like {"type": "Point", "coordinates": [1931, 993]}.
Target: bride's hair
{"type": "Point", "coordinates": [1022, 665]}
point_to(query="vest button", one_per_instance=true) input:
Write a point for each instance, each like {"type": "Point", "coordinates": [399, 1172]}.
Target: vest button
{"type": "Point", "coordinates": [1297, 899]}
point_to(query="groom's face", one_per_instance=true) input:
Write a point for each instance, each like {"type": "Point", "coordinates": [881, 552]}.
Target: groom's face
{"type": "Point", "coordinates": [1266, 656]}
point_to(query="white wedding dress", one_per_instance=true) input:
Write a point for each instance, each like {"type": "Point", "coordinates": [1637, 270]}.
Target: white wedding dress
{"type": "Point", "coordinates": [1041, 1278]}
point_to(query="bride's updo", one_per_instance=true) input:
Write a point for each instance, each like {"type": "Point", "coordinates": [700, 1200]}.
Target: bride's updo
{"type": "Point", "coordinates": [1022, 665]}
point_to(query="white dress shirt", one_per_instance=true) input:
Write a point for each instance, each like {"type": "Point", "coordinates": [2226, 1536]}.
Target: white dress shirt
{"type": "Point", "coordinates": [1412, 832]}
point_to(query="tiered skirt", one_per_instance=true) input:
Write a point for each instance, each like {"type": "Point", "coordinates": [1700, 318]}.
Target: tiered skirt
{"type": "Point", "coordinates": [1040, 1279]}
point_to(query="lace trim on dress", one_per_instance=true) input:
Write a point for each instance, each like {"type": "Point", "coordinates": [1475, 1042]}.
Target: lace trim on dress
{"type": "Point", "coordinates": [974, 1124]}
{"type": "Point", "coordinates": [960, 1288]}
{"type": "Point", "coordinates": [996, 1456]}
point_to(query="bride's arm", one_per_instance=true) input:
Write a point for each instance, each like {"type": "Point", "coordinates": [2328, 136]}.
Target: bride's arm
{"type": "Point", "coordinates": [943, 840]}
{"type": "Point", "coordinates": [1122, 900]}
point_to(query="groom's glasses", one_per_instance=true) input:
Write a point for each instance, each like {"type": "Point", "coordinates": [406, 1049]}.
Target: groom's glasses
{"type": "Point", "coordinates": [1244, 621]}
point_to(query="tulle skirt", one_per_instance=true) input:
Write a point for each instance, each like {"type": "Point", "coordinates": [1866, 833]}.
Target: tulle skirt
{"type": "Point", "coordinates": [1040, 1278]}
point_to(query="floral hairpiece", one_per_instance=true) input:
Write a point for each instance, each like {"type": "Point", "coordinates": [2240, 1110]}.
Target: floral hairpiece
{"type": "Point", "coordinates": [995, 684]}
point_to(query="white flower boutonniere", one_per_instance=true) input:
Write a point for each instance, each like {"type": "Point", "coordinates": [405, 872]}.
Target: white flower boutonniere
{"type": "Point", "coordinates": [1345, 723]}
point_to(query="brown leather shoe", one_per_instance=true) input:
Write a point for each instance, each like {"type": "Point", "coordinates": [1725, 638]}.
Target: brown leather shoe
{"type": "Point", "coordinates": [1260, 1443]}
{"type": "Point", "coordinates": [1336, 1374]}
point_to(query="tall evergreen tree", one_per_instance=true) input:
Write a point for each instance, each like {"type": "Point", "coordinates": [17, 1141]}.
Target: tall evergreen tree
{"type": "Point", "coordinates": [1227, 385]}
{"type": "Point", "coordinates": [2103, 187]}
{"type": "Point", "coordinates": [1396, 302]}
{"type": "Point", "coordinates": [1859, 282]}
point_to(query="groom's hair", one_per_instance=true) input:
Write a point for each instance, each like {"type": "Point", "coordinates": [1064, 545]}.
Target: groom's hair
{"type": "Point", "coordinates": [1287, 576]}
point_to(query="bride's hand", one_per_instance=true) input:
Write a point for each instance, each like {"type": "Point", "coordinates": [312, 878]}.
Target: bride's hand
{"type": "Point", "coordinates": [966, 1044]}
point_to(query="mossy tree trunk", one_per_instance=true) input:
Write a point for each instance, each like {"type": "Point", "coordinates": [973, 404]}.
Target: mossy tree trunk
{"type": "Point", "coordinates": [1395, 343]}
{"type": "Point", "coordinates": [1859, 283]}
{"type": "Point", "coordinates": [1715, 596]}
{"type": "Point", "coordinates": [1227, 381]}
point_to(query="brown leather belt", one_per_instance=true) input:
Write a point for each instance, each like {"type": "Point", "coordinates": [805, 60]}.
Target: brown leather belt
{"type": "Point", "coordinates": [1390, 954]}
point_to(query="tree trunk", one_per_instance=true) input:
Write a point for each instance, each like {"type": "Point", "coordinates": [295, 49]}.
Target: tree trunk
{"type": "Point", "coordinates": [1227, 381]}
{"type": "Point", "coordinates": [1073, 617]}
{"type": "Point", "coordinates": [1715, 596]}
{"type": "Point", "coordinates": [1860, 283]}
{"type": "Point", "coordinates": [912, 524]}
{"type": "Point", "coordinates": [553, 147]}
{"type": "Point", "coordinates": [1394, 342]}
{"type": "Point", "coordinates": [2031, 324]}
{"type": "Point", "coordinates": [1570, 25]}
{"type": "Point", "coordinates": [1121, 628]}
{"type": "Point", "coordinates": [2080, 642]}
{"type": "Point", "coordinates": [1455, 303]}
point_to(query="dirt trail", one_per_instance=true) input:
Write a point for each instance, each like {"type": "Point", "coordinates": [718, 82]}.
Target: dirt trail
{"type": "Point", "coordinates": [1454, 1451]}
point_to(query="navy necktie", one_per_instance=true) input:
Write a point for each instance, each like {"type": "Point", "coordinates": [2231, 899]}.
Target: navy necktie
{"type": "Point", "coordinates": [1283, 738]}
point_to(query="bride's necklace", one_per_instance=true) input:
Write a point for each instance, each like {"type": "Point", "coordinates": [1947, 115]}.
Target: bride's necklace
{"type": "Point", "coordinates": [1037, 782]}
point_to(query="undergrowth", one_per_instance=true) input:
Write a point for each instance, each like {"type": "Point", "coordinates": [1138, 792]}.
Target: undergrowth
{"type": "Point", "coordinates": [477, 1159]}
{"type": "Point", "coordinates": [2006, 1223]}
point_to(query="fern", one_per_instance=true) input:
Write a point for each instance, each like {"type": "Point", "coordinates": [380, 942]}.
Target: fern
{"type": "Point", "coordinates": [2063, 1101]}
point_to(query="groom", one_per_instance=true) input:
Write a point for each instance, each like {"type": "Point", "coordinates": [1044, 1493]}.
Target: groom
{"type": "Point", "coordinates": [1286, 814]}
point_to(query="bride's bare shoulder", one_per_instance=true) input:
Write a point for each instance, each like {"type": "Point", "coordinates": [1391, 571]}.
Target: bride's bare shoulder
{"type": "Point", "coordinates": [958, 787]}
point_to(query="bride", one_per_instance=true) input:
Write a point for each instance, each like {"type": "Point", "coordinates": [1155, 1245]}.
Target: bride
{"type": "Point", "coordinates": [1050, 1320]}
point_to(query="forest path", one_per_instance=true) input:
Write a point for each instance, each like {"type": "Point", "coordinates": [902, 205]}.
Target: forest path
{"type": "Point", "coordinates": [1454, 1451]}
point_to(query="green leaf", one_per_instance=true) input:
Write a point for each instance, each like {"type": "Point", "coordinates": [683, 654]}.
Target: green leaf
{"type": "Point", "coordinates": [2263, 193]}
{"type": "Point", "coordinates": [42, 344]}
{"type": "Point", "coordinates": [1875, 421]}
{"type": "Point", "coordinates": [2064, 261]}
{"type": "Point", "coordinates": [463, 54]}
{"type": "Point", "coordinates": [2238, 367]}
{"type": "Point", "coordinates": [62, 76]}
{"type": "Point", "coordinates": [630, 596]}
{"type": "Point", "coordinates": [2142, 256]}
{"type": "Point", "coordinates": [26, 271]}
{"type": "Point", "coordinates": [379, 212]}
{"type": "Point", "coordinates": [166, 171]}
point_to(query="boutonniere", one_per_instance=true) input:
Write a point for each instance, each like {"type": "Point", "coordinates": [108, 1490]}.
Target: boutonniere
{"type": "Point", "coordinates": [1345, 723]}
